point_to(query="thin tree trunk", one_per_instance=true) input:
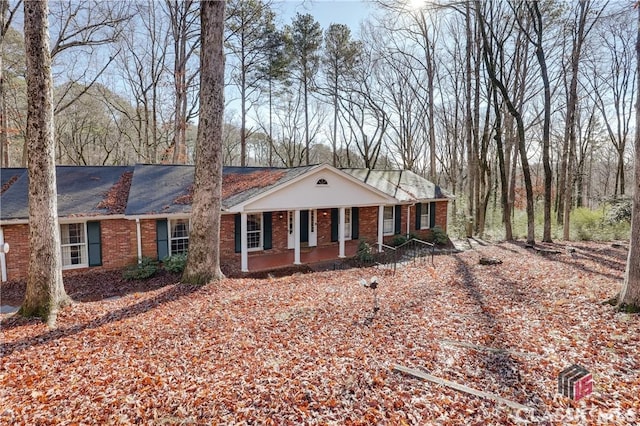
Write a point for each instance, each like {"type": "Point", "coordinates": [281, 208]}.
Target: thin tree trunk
{"type": "Point", "coordinates": [203, 262]}
{"type": "Point", "coordinates": [45, 293]}
{"type": "Point", "coordinates": [630, 293]}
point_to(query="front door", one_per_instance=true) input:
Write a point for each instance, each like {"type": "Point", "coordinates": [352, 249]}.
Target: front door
{"type": "Point", "coordinates": [308, 228]}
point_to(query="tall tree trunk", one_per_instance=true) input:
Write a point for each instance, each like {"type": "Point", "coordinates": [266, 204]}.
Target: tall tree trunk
{"type": "Point", "coordinates": [546, 132]}
{"type": "Point", "coordinates": [504, 185]}
{"type": "Point", "coordinates": [203, 262]}
{"type": "Point", "coordinates": [630, 293]}
{"type": "Point", "coordinates": [522, 149]}
{"type": "Point", "coordinates": [45, 293]}
{"type": "Point", "coordinates": [471, 164]}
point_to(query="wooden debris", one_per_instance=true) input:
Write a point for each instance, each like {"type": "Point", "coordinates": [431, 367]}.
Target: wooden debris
{"type": "Point", "coordinates": [541, 250]}
{"type": "Point", "coordinates": [490, 261]}
{"type": "Point", "coordinates": [460, 387]}
{"type": "Point", "coordinates": [467, 345]}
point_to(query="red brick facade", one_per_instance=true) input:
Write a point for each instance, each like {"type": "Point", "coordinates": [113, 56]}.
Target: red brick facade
{"type": "Point", "coordinates": [118, 246]}
{"type": "Point", "coordinates": [119, 240]}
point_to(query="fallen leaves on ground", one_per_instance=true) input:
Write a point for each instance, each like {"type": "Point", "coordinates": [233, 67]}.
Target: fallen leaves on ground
{"type": "Point", "coordinates": [308, 349]}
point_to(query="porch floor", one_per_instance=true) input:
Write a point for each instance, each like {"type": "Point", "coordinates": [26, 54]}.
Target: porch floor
{"type": "Point", "coordinates": [308, 256]}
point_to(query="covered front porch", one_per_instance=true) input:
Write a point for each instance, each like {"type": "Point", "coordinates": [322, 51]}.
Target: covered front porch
{"type": "Point", "coordinates": [308, 255]}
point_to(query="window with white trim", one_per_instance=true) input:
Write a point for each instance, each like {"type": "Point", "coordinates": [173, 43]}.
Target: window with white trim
{"type": "Point", "coordinates": [389, 221]}
{"type": "Point", "coordinates": [424, 216]}
{"type": "Point", "coordinates": [178, 236]}
{"type": "Point", "coordinates": [254, 232]}
{"type": "Point", "coordinates": [347, 223]}
{"type": "Point", "coordinates": [74, 245]}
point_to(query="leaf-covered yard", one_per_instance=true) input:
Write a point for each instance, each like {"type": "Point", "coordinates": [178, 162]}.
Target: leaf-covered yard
{"type": "Point", "coordinates": [307, 349]}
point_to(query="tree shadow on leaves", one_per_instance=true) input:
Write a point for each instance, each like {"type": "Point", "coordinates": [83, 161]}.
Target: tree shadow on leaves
{"type": "Point", "coordinates": [498, 363]}
{"type": "Point", "coordinates": [170, 294]}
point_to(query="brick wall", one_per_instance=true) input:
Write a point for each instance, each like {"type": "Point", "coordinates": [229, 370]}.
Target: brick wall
{"type": "Point", "coordinates": [118, 243]}
{"type": "Point", "coordinates": [18, 257]}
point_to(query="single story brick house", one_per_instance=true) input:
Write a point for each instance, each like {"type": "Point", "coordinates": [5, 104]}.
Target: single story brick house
{"type": "Point", "coordinates": [112, 216]}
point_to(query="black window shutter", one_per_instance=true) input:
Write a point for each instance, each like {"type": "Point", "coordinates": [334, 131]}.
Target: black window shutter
{"type": "Point", "coordinates": [162, 238]}
{"type": "Point", "coordinates": [355, 223]}
{"type": "Point", "coordinates": [94, 243]}
{"type": "Point", "coordinates": [334, 224]}
{"type": "Point", "coordinates": [237, 232]}
{"type": "Point", "coordinates": [267, 220]}
{"type": "Point", "coordinates": [432, 214]}
{"type": "Point", "coordinates": [418, 213]}
{"type": "Point", "coordinates": [398, 219]}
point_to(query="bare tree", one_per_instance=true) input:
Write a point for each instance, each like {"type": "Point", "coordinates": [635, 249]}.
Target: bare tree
{"type": "Point", "coordinates": [80, 29]}
{"type": "Point", "coordinates": [249, 41]}
{"type": "Point", "coordinates": [580, 29]}
{"type": "Point", "coordinates": [45, 293]}
{"type": "Point", "coordinates": [183, 18]}
{"type": "Point", "coordinates": [493, 47]}
{"type": "Point", "coordinates": [536, 39]}
{"type": "Point", "coordinates": [629, 298]}
{"type": "Point", "coordinates": [203, 262]}
{"type": "Point", "coordinates": [612, 86]}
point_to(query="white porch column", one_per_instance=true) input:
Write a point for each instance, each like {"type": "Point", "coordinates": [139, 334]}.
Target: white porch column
{"type": "Point", "coordinates": [296, 237]}
{"type": "Point", "coordinates": [380, 227]}
{"type": "Point", "coordinates": [409, 220]}
{"type": "Point", "coordinates": [341, 233]}
{"type": "Point", "coordinates": [244, 254]}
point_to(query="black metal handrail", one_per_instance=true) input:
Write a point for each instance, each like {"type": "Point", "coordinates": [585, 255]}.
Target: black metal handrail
{"type": "Point", "coordinates": [415, 248]}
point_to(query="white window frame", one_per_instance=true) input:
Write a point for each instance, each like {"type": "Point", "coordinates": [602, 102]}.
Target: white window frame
{"type": "Point", "coordinates": [425, 219]}
{"type": "Point", "coordinates": [171, 224]}
{"type": "Point", "coordinates": [259, 232]}
{"type": "Point", "coordinates": [386, 222]}
{"type": "Point", "coordinates": [82, 245]}
{"type": "Point", "coordinates": [347, 223]}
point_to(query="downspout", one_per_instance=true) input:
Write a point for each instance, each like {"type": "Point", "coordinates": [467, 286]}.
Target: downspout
{"type": "Point", "coordinates": [3, 260]}
{"type": "Point", "coordinates": [139, 239]}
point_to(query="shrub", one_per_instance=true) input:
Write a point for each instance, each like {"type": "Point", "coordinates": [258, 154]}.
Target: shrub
{"type": "Point", "coordinates": [620, 211]}
{"type": "Point", "coordinates": [364, 253]}
{"type": "Point", "coordinates": [585, 222]}
{"type": "Point", "coordinates": [440, 237]}
{"type": "Point", "coordinates": [141, 271]}
{"type": "Point", "coordinates": [175, 263]}
{"type": "Point", "coordinates": [398, 240]}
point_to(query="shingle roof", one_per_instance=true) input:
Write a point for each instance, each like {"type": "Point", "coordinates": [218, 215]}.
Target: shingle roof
{"type": "Point", "coordinates": [8, 176]}
{"type": "Point", "coordinates": [167, 189]}
{"type": "Point", "coordinates": [82, 191]}
{"type": "Point", "coordinates": [156, 189]}
{"type": "Point", "coordinates": [403, 185]}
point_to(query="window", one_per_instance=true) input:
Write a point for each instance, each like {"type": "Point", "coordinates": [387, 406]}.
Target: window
{"type": "Point", "coordinates": [74, 245]}
{"type": "Point", "coordinates": [322, 181]}
{"type": "Point", "coordinates": [347, 224]}
{"type": "Point", "coordinates": [389, 220]}
{"type": "Point", "coordinates": [424, 216]}
{"type": "Point", "coordinates": [179, 236]}
{"type": "Point", "coordinates": [254, 232]}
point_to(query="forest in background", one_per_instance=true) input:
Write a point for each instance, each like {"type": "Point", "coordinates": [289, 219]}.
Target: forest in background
{"type": "Point", "coordinates": [511, 105]}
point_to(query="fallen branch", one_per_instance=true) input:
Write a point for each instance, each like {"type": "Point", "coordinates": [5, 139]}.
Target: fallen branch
{"type": "Point", "coordinates": [462, 388]}
{"type": "Point", "coordinates": [489, 261]}
{"type": "Point", "coordinates": [542, 251]}
{"type": "Point", "coordinates": [484, 348]}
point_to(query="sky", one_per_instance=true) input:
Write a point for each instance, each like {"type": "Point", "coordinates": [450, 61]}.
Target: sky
{"type": "Point", "coordinates": [326, 12]}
